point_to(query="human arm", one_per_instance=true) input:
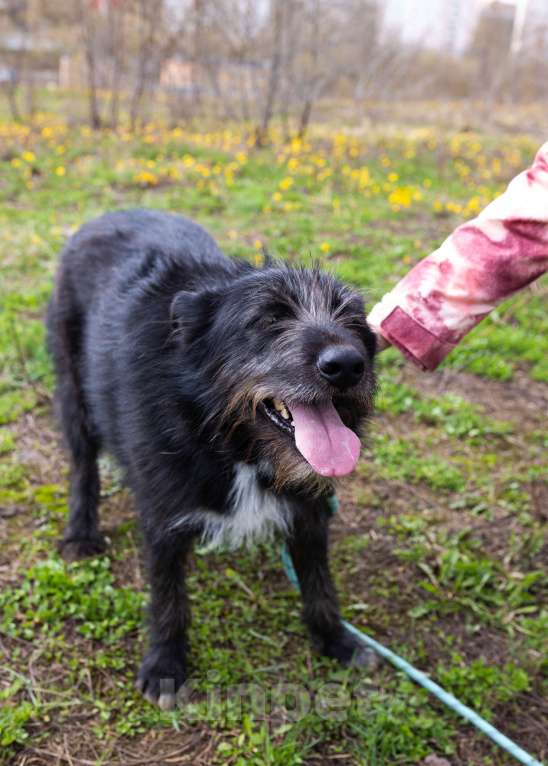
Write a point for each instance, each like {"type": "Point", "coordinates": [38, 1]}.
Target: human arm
{"type": "Point", "coordinates": [480, 264]}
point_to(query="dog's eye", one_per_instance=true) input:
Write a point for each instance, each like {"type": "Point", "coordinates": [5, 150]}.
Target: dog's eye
{"type": "Point", "coordinates": [265, 320]}
{"type": "Point", "coordinates": [271, 315]}
{"type": "Point", "coordinates": [275, 314]}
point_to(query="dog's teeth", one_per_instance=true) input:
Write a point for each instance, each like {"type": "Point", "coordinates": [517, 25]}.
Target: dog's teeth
{"type": "Point", "coordinates": [281, 409]}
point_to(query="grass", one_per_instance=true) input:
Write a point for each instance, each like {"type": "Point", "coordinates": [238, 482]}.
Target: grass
{"type": "Point", "coordinates": [439, 545]}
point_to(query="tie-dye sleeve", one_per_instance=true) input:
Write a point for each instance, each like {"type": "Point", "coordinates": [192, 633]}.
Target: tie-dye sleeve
{"type": "Point", "coordinates": [480, 264]}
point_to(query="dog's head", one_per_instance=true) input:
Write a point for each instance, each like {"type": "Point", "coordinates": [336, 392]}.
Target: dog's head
{"type": "Point", "coordinates": [288, 360]}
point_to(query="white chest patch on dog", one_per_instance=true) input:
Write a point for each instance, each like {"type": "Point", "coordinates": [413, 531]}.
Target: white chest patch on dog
{"type": "Point", "coordinates": [254, 514]}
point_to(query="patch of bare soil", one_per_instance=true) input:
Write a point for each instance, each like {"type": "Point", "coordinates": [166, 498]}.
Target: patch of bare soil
{"type": "Point", "coordinates": [522, 401]}
{"type": "Point", "coordinates": [38, 448]}
{"type": "Point", "coordinates": [76, 745]}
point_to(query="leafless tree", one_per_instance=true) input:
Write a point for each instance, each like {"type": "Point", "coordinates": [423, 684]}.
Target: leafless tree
{"type": "Point", "coordinates": [160, 36]}
{"type": "Point", "coordinates": [87, 14]}
{"type": "Point", "coordinates": [117, 52]}
{"type": "Point", "coordinates": [230, 56]}
{"type": "Point", "coordinates": [14, 58]}
{"type": "Point", "coordinates": [278, 10]}
{"type": "Point", "coordinates": [148, 19]}
{"type": "Point", "coordinates": [315, 61]}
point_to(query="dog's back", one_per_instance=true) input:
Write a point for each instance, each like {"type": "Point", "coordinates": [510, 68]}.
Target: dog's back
{"type": "Point", "coordinates": [121, 241]}
{"type": "Point", "coordinates": [117, 274]}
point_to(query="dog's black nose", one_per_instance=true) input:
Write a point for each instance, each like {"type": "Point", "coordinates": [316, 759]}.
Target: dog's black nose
{"type": "Point", "coordinates": [342, 366]}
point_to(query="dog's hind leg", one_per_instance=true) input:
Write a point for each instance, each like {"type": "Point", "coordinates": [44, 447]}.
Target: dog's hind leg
{"type": "Point", "coordinates": [308, 546]}
{"type": "Point", "coordinates": [82, 536]}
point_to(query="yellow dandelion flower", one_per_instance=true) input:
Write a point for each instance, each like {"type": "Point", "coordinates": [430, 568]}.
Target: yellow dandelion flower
{"type": "Point", "coordinates": [400, 197]}
{"type": "Point", "coordinates": [473, 206]}
{"type": "Point", "coordinates": [144, 178]}
{"type": "Point", "coordinates": [60, 170]}
{"type": "Point", "coordinates": [296, 145]}
{"type": "Point", "coordinates": [325, 247]}
{"type": "Point", "coordinates": [258, 244]}
{"type": "Point", "coordinates": [286, 183]}
{"type": "Point", "coordinates": [28, 156]}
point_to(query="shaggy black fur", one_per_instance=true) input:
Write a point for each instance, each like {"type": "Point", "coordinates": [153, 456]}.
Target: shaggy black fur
{"type": "Point", "coordinates": [166, 354]}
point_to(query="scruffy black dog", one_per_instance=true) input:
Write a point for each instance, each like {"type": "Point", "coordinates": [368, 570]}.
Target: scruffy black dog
{"type": "Point", "coordinates": [231, 396]}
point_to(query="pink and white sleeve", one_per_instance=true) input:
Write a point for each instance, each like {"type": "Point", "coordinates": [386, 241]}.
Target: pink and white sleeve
{"type": "Point", "coordinates": [480, 264]}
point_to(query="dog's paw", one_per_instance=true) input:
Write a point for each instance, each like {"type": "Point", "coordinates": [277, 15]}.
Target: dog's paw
{"type": "Point", "coordinates": [160, 678]}
{"type": "Point", "coordinates": [350, 651]}
{"type": "Point", "coordinates": [76, 548]}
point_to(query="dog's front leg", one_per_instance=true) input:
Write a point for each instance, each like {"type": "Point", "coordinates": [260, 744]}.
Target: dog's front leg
{"type": "Point", "coordinates": [164, 670]}
{"type": "Point", "coordinates": [308, 546]}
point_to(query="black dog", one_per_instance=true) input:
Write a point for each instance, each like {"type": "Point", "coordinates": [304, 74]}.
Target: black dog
{"type": "Point", "coordinates": [230, 395]}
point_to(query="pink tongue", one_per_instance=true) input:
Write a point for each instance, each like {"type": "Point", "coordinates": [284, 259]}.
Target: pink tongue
{"type": "Point", "coordinates": [323, 440]}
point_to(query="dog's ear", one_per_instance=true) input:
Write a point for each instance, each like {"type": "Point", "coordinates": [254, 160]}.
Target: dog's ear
{"type": "Point", "coordinates": [191, 312]}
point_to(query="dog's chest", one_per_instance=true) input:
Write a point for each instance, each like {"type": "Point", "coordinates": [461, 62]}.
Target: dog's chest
{"type": "Point", "coordinates": [253, 513]}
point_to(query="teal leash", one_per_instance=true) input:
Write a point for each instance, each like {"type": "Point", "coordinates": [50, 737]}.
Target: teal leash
{"type": "Point", "coordinates": [421, 678]}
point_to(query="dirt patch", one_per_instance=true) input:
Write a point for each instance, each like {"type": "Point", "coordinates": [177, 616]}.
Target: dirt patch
{"type": "Point", "coordinates": [521, 401]}
{"type": "Point", "coordinates": [38, 448]}
{"type": "Point", "coordinates": [76, 746]}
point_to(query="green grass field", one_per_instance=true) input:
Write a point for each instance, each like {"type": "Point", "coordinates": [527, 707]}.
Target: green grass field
{"type": "Point", "coordinates": [438, 548]}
